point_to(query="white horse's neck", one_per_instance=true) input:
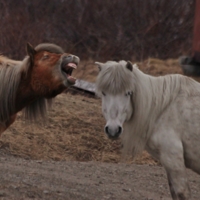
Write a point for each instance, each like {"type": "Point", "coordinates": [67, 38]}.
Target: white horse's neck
{"type": "Point", "coordinates": [155, 93]}
{"type": "Point", "coordinates": [152, 95]}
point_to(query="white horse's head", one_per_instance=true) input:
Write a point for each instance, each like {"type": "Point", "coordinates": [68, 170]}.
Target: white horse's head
{"type": "Point", "coordinates": [116, 109]}
{"type": "Point", "coordinates": [115, 86]}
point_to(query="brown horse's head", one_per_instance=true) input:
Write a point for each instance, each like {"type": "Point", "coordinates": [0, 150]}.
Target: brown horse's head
{"type": "Point", "coordinates": [30, 84]}
{"type": "Point", "coordinates": [50, 69]}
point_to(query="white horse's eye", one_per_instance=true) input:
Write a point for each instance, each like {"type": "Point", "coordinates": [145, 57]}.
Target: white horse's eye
{"type": "Point", "coordinates": [129, 93]}
{"type": "Point", "coordinates": [103, 93]}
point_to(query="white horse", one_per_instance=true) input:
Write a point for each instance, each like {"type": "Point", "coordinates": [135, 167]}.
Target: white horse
{"type": "Point", "coordinates": [159, 114]}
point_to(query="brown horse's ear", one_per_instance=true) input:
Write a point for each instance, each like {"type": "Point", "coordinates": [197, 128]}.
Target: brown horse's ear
{"type": "Point", "coordinates": [30, 51]}
{"type": "Point", "coordinates": [129, 66]}
{"type": "Point", "coordinates": [99, 65]}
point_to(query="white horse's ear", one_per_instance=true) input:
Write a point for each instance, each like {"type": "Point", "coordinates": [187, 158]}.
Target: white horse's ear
{"type": "Point", "coordinates": [99, 65]}
{"type": "Point", "coordinates": [129, 66]}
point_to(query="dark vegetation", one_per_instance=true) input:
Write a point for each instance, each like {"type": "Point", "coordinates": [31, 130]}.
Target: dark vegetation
{"type": "Point", "coordinates": [100, 30]}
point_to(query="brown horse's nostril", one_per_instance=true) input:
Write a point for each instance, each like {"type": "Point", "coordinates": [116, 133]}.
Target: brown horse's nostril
{"type": "Point", "coordinates": [76, 60]}
{"type": "Point", "coordinates": [68, 58]}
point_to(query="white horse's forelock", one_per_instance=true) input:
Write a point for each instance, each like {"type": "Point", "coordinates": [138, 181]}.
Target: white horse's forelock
{"type": "Point", "coordinates": [114, 78]}
{"type": "Point", "coordinates": [151, 96]}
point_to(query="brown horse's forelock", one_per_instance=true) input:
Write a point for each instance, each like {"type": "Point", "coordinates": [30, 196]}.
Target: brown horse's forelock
{"type": "Point", "coordinates": [50, 48]}
{"type": "Point", "coordinates": [10, 77]}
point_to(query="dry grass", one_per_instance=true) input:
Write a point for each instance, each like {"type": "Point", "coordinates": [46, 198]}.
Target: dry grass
{"type": "Point", "coordinates": [74, 127]}
{"type": "Point", "coordinates": [73, 131]}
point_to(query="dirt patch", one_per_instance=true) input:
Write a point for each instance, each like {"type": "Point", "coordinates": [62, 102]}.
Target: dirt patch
{"type": "Point", "coordinates": [25, 179]}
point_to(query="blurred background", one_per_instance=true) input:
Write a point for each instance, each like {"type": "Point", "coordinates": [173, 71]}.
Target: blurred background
{"type": "Point", "coordinates": [99, 30]}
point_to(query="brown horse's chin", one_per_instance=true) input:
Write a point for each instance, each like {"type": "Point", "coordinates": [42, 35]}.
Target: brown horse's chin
{"type": "Point", "coordinates": [71, 80]}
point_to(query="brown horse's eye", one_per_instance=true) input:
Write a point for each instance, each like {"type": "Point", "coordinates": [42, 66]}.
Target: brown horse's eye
{"type": "Point", "coordinates": [103, 94]}
{"type": "Point", "coordinates": [45, 57]}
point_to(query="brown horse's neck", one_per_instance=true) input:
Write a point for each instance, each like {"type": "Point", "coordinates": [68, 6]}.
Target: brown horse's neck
{"type": "Point", "coordinates": [24, 96]}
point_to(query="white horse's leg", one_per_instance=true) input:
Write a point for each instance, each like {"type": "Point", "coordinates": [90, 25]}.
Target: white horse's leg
{"type": "Point", "coordinates": [171, 157]}
{"type": "Point", "coordinates": [179, 190]}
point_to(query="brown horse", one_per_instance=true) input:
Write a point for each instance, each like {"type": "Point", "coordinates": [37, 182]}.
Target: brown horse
{"type": "Point", "coordinates": [30, 84]}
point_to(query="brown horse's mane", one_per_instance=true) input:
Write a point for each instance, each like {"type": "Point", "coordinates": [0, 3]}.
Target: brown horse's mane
{"type": "Point", "coordinates": [9, 81]}
{"type": "Point", "coordinates": [10, 77]}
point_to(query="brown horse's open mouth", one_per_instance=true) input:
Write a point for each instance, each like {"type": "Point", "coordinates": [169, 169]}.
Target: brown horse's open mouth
{"type": "Point", "coordinates": [67, 69]}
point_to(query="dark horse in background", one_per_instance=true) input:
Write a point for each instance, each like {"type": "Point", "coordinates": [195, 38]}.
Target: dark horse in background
{"type": "Point", "coordinates": [30, 84]}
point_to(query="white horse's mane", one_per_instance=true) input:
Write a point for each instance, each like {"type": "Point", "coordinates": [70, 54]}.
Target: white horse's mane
{"type": "Point", "coordinates": [151, 96]}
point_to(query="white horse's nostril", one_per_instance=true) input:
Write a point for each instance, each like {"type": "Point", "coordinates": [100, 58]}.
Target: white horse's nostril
{"type": "Point", "coordinates": [113, 132]}
{"type": "Point", "coordinates": [119, 130]}
{"type": "Point", "coordinates": [107, 130]}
